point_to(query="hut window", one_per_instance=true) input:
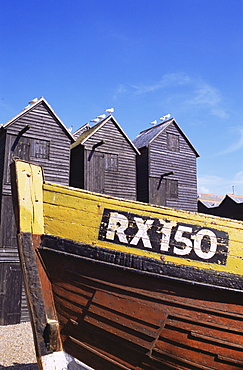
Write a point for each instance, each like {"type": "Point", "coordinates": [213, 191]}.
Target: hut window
{"type": "Point", "coordinates": [173, 142]}
{"type": "Point", "coordinates": [111, 162]}
{"type": "Point", "coordinates": [171, 188]}
{"type": "Point", "coordinates": [40, 149]}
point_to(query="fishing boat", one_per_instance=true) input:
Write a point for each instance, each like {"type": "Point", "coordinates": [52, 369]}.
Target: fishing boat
{"type": "Point", "coordinates": [117, 284]}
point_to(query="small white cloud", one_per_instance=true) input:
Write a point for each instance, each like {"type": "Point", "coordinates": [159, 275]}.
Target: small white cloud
{"type": "Point", "coordinates": [205, 94]}
{"type": "Point", "coordinates": [238, 179]}
{"type": "Point", "coordinates": [167, 80]}
{"type": "Point", "coordinates": [208, 97]}
{"type": "Point", "coordinates": [220, 113]}
{"type": "Point", "coordinates": [218, 185]}
{"type": "Point", "coordinates": [194, 91]}
{"type": "Point", "coordinates": [208, 183]}
{"type": "Point", "coordinates": [202, 189]}
{"type": "Point", "coordinates": [237, 145]}
{"type": "Point", "coordinates": [120, 90]}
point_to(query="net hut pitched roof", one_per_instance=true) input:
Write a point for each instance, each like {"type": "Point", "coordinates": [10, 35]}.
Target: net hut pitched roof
{"type": "Point", "coordinates": [89, 132]}
{"type": "Point", "coordinates": [236, 198]}
{"type": "Point", "coordinates": [146, 137]}
{"type": "Point", "coordinates": [210, 200]}
{"type": "Point", "coordinates": [31, 107]}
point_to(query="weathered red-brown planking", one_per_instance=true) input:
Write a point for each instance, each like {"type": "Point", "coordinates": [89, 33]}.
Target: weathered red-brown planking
{"type": "Point", "coordinates": [112, 317]}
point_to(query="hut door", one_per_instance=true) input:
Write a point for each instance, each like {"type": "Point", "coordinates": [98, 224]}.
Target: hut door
{"type": "Point", "coordinates": [10, 293]}
{"type": "Point", "coordinates": [8, 232]}
{"type": "Point", "coordinates": [157, 191]}
{"type": "Point", "coordinates": [95, 172]}
{"type": "Point", "coordinates": [20, 147]}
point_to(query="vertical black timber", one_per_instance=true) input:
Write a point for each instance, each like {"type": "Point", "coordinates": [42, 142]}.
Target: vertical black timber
{"type": "Point", "coordinates": [142, 176]}
{"type": "Point", "coordinates": [77, 167]}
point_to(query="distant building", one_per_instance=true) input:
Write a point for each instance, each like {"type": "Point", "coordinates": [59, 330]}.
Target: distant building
{"type": "Point", "coordinates": [229, 206]}
{"type": "Point", "coordinates": [36, 135]}
{"type": "Point", "coordinates": [103, 160]}
{"type": "Point", "coordinates": [166, 168]}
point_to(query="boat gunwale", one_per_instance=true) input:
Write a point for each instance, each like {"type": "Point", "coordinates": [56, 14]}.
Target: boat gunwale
{"type": "Point", "coordinates": [144, 207]}
{"type": "Point", "coordinates": [99, 260]}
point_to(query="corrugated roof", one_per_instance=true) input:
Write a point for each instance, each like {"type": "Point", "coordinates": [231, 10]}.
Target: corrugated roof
{"type": "Point", "coordinates": [236, 198]}
{"type": "Point", "coordinates": [212, 200]}
{"type": "Point", "coordinates": [146, 137]}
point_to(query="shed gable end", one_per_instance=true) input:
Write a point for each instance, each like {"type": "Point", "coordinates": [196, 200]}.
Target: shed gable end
{"type": "Point", "coordinates": [171, 168]}
{"type": "Point", "coordinates": [111, 135]}
{"type": "Point", "coordinates": [109, 161]}
{"type": "Point", "coordinates": [36, 135]}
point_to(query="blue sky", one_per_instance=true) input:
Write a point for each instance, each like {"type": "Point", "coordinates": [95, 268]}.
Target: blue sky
{"type": "Point", "coordinates": [145, 58]}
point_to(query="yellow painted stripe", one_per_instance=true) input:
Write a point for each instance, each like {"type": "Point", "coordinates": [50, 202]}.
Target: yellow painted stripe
{"type": "Point", "coordinates": [76, 214]}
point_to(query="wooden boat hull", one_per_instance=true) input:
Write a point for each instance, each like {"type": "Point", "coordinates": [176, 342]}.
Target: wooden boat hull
{"type": "Point", "coordinates": [116, 317]}
{"type": "Point", "coordinates": [117, 308]}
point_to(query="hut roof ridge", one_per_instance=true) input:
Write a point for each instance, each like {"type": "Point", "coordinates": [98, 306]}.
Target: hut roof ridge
{"type": "Point", "coordinates": [147, 136]}
{"type": "Point", "coordinates": [30, 107]}
{"type": "Point", "coordinates": [88, 133]}
{"type": "Point", "coordinates": [212, 200]}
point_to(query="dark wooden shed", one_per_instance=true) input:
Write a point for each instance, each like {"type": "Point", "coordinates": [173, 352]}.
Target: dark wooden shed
{"type": "Point", "coordinates": [229, 206]}
{"type": "Point", "coordinates": [36, 135]}
{"type": "Point", "coordinates": [166, 168]}
{"type": "Point", "coordinates": [103, 160]}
